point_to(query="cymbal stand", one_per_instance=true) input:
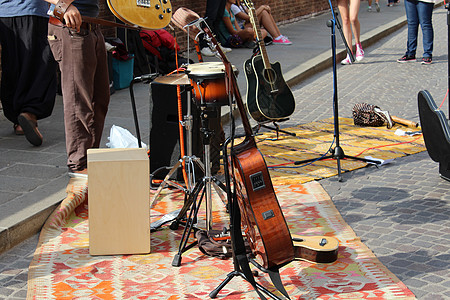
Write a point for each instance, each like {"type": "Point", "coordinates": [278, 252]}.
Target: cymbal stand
{"type": "Point", "coordinates": [189, 160]}
{"type": "Point", "coordinates": [202, 189]}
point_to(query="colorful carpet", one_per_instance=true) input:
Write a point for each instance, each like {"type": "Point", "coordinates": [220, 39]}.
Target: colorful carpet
{"type": "Point", "coordinates": [312, 140]}
{"type": "Point", "coordinates": [63, 269]}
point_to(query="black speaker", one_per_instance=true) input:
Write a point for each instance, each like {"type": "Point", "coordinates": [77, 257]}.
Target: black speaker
{"type": "Point", "coordinates": [164, 131]}
{"type": "Point", "coordinates": [164, 128]}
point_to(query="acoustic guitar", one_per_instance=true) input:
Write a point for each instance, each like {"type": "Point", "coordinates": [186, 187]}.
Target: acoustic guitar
{"type": "Point", "coordinates": [269, 98]}
{"type": "Point", "coordinates": [318, 249]}
{"type": "Point", "coordinates": [151, 14]}
{"type": "Point", "coordinates": [261, 215]}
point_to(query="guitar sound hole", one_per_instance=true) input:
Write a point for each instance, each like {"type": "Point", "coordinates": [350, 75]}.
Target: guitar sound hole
{"type": "Point", "coordinates": [270, 76]}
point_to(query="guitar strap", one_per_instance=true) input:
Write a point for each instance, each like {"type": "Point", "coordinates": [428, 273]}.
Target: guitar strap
{"type": "Point", "coordinates": [276, 280]}
{"type": "Point", "coordinates": [109, 23]}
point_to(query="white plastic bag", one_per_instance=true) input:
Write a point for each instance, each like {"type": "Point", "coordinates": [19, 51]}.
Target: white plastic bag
{"type": "Point", "coordinates": [122, 138]}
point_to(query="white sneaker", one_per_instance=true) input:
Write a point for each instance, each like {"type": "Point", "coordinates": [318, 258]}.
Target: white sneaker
{"type": "Point", "coordinates": [346, 61]}
{"type": "Point", "coordinates": [207, 52]}
{"type": "Point", "coordinates": [359, 54]}
{"type": "Point", "coordinates": [225, 49]}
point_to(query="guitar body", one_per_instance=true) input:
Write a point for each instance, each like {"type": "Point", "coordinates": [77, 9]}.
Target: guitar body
{"type": "Point", "coordinates": [262, 218]}
{"type": "Point", "coordinates": [318, 249]}
{"type": "Point", "coordinates": [252, 106]}
{"type": "Point", "coordinates": [151, 14]}
{"type": "Point", "coordinates": [274, 99]}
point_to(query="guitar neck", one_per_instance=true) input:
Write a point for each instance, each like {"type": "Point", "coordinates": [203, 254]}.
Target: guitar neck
{"type": "Point", "coordinates": [234, 87]}
{"type": "Point", "coordinates": [257, 29]}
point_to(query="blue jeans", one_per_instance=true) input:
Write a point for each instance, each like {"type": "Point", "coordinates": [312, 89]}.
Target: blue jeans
{"type": "Point", "coordinates": [418, 12]}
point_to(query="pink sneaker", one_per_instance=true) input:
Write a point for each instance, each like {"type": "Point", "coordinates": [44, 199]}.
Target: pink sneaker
{"type": "Point", "coordinates": [359, 54]}
{"type": "Point", "coordinates": [282, 41]}
{"type": "Point", "coordinates": [346, 61]}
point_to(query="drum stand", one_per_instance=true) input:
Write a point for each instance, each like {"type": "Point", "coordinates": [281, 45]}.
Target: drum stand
{"type": "Point", "coordinates": [202, 188]}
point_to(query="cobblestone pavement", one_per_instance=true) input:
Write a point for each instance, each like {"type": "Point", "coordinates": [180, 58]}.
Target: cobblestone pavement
{"type": "Point", "coordinates": [401, 210]}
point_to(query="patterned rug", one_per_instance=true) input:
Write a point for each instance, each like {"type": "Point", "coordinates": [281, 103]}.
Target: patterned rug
{"type": "Point", "coordinates": [63, 269]}
{"type": "Point", "coordinates": [312, 140]}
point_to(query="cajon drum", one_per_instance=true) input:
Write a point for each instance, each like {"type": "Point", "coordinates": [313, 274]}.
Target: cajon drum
{"type": "Point", "coordinates": [118, 201]}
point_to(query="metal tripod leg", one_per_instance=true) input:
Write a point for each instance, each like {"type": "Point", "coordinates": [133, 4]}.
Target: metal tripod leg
{"type": "Point", "coordinates": [188, 160]}
{"type": "Point", "coordinates": [193, 204]}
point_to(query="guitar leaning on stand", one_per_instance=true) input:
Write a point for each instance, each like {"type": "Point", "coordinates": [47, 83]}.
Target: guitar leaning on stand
{"type": "Point", "coordinates": [269, 98]}
{"type": "Point", "coordinates": [254, 207]}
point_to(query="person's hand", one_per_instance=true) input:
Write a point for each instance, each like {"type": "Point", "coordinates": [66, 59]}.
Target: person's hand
{"type": "Point", "coordinates": [266, 7]}
{"type": "Point", "coordinates": [72, 18]}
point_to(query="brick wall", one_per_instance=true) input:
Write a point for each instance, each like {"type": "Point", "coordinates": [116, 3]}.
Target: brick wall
{"type": "Point", "coordinates": [284, 11]}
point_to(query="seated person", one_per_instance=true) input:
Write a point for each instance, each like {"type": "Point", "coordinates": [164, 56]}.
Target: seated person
{"type": "Point", "coordinates": [231, 35]}
{"type": "Point", "coordinates": [265, 20]}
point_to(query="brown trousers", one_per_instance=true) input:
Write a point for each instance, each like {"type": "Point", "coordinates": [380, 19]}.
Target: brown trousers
{"type": "Point", "coordinates": [83, 63]}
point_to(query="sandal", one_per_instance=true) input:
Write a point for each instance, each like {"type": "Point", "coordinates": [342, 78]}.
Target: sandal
{"type": "Point", "coordinates": [30, 129]}
{"type": "Point", "coordinates": [18, 129]}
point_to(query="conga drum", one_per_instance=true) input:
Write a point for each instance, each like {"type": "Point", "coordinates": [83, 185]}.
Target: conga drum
{"type": "Point", "coordinates": [208, 82]}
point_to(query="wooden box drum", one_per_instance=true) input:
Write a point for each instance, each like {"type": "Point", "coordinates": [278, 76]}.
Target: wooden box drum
{"type": "Point", "coordinates": [208, 81]}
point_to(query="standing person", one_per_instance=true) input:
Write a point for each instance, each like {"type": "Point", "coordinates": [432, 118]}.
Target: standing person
{"type": "Point", "coordinates": [28, 84]}
{"type": "Point", "coordinates": [349, 10]}
{"type": "Point", "coordinates": [213, 15]}
{"type": "Point", "coordinates": [231, 35]}
{"type": "Point", "coordinates": [377, 5]}
{"type": "Point", "coordinates": [265, 20]}
{"type": "Point", "coordinates": [79, 48]}
{"type": "Point", "coordinates": [419, 12]}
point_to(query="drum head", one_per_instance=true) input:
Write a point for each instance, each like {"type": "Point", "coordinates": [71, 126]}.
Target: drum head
{"type": "Point", "coordinates": [207, 70]}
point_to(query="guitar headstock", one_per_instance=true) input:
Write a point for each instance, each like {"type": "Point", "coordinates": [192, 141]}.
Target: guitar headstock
{"type": "Point", "coordinates": [251, 9]}
{"type": "Point", "coordinates": [249, 4]}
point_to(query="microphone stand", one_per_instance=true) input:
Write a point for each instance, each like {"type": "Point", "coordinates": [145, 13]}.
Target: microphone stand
{"type": "Point", "coordinates": [447, 6]}
{"type": "Point", "coordinates": [337, 152]}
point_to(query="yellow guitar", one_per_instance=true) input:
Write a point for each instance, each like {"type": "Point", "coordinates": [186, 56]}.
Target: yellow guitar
{"type": "Point", "coordinates": [318, 249]}
{"type": "Point", "coordinates": [151, 14]}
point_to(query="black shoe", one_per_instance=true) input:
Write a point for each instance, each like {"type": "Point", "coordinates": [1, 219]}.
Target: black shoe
{"type": "Point", "coordinates": [249, 44]}
{"type": "Point", "coordinates": [426, 61]}
{"type": "Point", "coordinates": [268, 41]}
{"type": "Point", "coordinates": [406, 58]}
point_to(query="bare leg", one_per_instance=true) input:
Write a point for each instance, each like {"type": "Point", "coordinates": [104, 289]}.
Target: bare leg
{"type": "Point", "coordinates": [266, 20]}
{"type": "Point", "coordinates": [356, 26]}
{"type": "Point", "coordinates": [346, 29]}
{"type": "Point", "coordinates": [247, 34]}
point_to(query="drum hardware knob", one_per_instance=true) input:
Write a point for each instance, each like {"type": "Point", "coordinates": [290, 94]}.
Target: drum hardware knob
{"type": "Point", "coordinates": [157, 6]}
{"type": "Point", "coordinates": [161, 17]}
{"type": "Point", "coordinates": [165, 1]}
{"type": "Point", "coordinates": [169, 10]}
